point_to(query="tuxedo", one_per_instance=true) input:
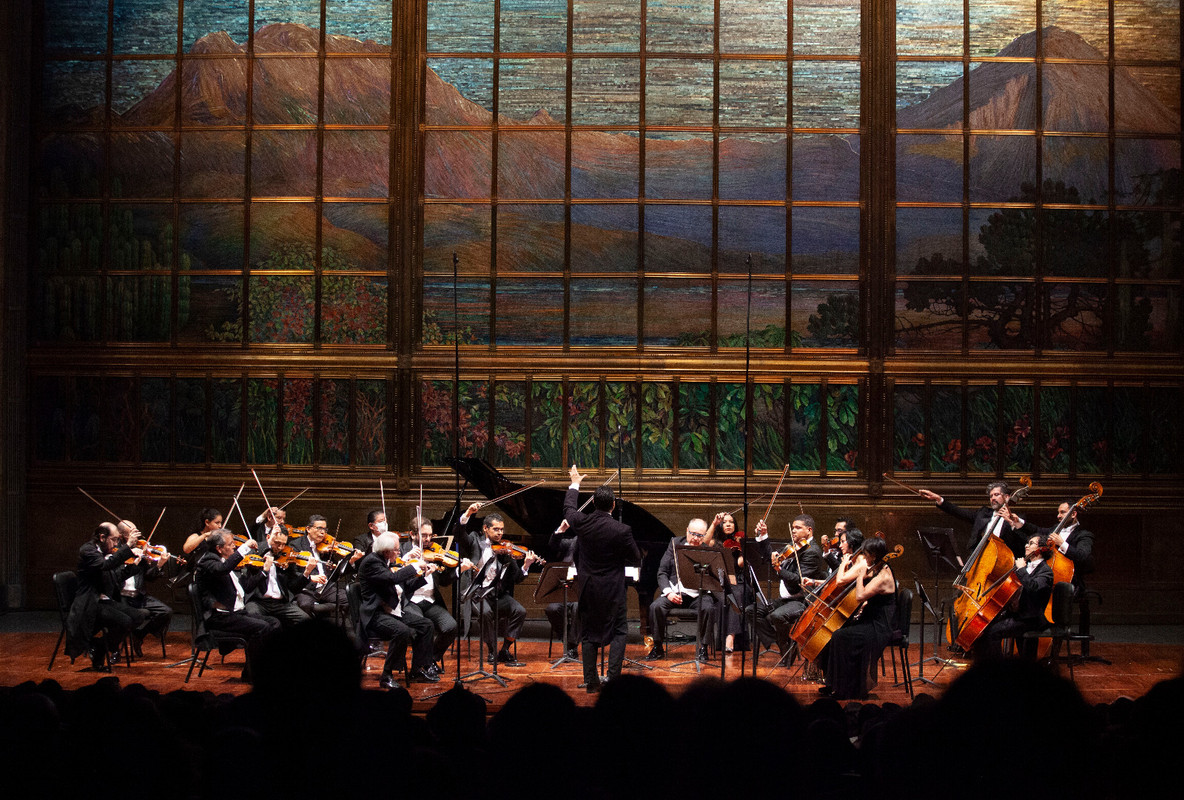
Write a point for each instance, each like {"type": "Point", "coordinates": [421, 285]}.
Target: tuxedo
{"type": "Point", "coordinates": [660, 609]}
{"type": "Point", "coordinates": [427, 601]}
{"type": "Point", "coordinates": [603, 548]}
{"type": "Point", "coordinates": [980, 521]}
{"type": "Point", "coordinates": [159, 615]}
{"type": "Point", "coordinates": [1079, 548]}
{"type": "Point", "coordinates": [383, 594]}
{"type": "Point", "coordinates": [505, 572]}
{"type": "Point", "coordinates": [215, 581]}
{"type": "Point", "coordinates": [1028, 615]}
{"type": "Point", "coordinates": [98, 578]}
{"type": "Point", "coordinates": [332, 593]}
{"type": "Point", "coordinates": [288, 582]}
{"type": "Point", "coordinates": [774, 621]}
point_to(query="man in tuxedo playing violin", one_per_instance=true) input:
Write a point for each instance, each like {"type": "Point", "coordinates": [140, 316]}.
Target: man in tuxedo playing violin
{"type": "Point", "coordinates": [804, 562]}
{"type": "Point", "coordinates": [385, 585]}
{"type": "Point", "coordinates": [132, 592]}
{"type": "Point", "coordinates": [96, 602]}
{"type": "Point", "coordinates": [318, 591]}
{"type": "Point", "coordinates": [275, 594]}
{"type": "Point", "coordinates": [481, 551]}
{"type": "Point", "coordinates": [1027, 614]}
{"type": "Point", "coordinates": [426, 601]}
{"type": "Point", "coordinates": [271, 519]}
{"type": "Point", "coordinates": [674, 594]}
{"type": "Point", "coordinates": [604, 548]}
{"type": "Point", "coordinates": [224, 593]}
{"type": "Point", "coordinates": [991, 519]}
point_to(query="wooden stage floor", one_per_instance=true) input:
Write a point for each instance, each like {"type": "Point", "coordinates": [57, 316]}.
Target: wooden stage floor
{"type": "Point", "coordinates": [24, 655]}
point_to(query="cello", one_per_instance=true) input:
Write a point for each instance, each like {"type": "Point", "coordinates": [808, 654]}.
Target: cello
{"type": "Point", "coordinates": [987, 584]}
{"type": "Point", "coordinates": [1063, 566]}
{"type": "Point", "coordinates": [832, 607]}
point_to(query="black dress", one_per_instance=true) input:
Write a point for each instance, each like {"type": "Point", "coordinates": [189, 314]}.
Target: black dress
{"type": "Point", "coordinates": [854, 647]}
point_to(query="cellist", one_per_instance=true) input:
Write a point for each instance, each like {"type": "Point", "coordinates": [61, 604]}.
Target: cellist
{"type": "Point", "coordinates": [854, 647]}
{"type": "Point", "coordinates": [1028, 613]}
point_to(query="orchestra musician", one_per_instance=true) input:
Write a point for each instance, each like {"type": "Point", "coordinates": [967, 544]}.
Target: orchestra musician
{"type": "Point", "coordinates": [855, 646]}
{"type": "Point", "coordinates": [275, 594]}
{"type": "Point", "coordinates": [478, 548]}
{"type": "Point", "coordinates": [804, 560]}
{"type": "Point", "coordinates": [991, 519]}
{"type": "Point", "coordinates": [563, 546]}
{"type": "Point", "coordinates": [1027, 614]}
{"type": "Point", "coordinates": [272, 519]}
{"type": "Point", "coordinates": [375, 527]}
{"type": "Point", "coordinates": [426, 600]}
{"type": "Point", "coordinates": [319, 591]}
{"type": "Point", "coordinates": [834, 552]}
{"type": "Point", "coordinates": [673, 594]}
{"type": "Point", "coordinates": [385, 585]}
{"type": "Point", "coordinates": [605, 547]}
{"type": "Point", "coordinates": [224, 593]}
{"type": "Point", "coordinates": [733, 544]}
{"type": "Point", "coordinates": [196, 543]}
{"type": "Point", "coordinates": [144, 568]}
{"type": "Point", "coordinates": [96, 603]}
{"type": "Point", "coordinates": [1074, 542]}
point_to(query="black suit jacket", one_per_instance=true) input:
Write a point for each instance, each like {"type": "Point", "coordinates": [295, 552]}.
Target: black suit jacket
{"type": "Point", "coordinates": [604, 548]}
{"type": "Point", "coordinates": [468, 545]}
{"type": "Point", "coordinates": [98, 574]}
{"type": "Point", "coordinates": [216, 585]}
{"type": "Point", "coordinates": [668, 572]}
{"type": "Point", "coordinates": [380, 586]}
{"type": "Point", "coordinates": [440, 578]}
{"type": "Point", "coordinates": [1037, 589]}
{"type": "Point", "coordinates": [979, 520]}
{"type": "Point", "coordinates": [289, 579]}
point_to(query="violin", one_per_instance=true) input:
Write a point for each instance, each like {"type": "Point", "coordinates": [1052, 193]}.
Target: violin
{"type": "Point", "coordinates": [331, 546]}
{"type": "Point", "coordinates": [157, 554]}
{"type": "Point", "coordinates": [436, 553]}
{"type": "Point", "coordinates": [288, 557]}
{"type": "Point", "coordinates": [515, 551]}
{"type": "Point", "coordinates": [789, 551]}
{"type": "Point", "coordinates": [250, 560]}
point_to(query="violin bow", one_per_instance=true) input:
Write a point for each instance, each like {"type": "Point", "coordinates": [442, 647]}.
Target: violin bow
{"type": "Point", "coordinates": [740, 507]}
{"type": "Point", "coordinates": [243, 517]}
{"type": "Point", "coordinates": [510, 494]}
{"type": "Point", "coordinates": [100, 505]}
{"type": "Point", "coordinates": [293, 500]}
{"type": "Point", "coordinates": [259, 483]}
{"type": "Point", "coordinates": [233, 503]}
{"type": "Point", "coordinates": [765, 516]}
{"type": "Point", "coordinates": [611, 478]}
{"type": "Point", "coordinates": [152, 532]}
{"type": "Point", "coordinates": [382, 496]}
{"type": "Point", "coordinates": [901, 484]}
{"type": "Point", "coordinates": [419, 508]}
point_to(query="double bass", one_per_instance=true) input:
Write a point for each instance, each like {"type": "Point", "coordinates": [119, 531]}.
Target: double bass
{"type": "Point", "coordinates": [986, 585]}
{"type": "Point", "coordinates": [832, 607]}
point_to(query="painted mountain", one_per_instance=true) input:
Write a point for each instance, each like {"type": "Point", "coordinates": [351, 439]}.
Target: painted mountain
{"type": "Point", "coordinates": [531, 162]}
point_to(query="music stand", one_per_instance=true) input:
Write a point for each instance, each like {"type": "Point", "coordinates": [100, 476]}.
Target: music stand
{"type": "Point", "coordinates": [940, 549]}
{"type": "Point", "coordinates": [554, 581]}
{"type": "Point", "coordinates": [707, 563]}
{"type": "Point", "coordinates": [478, 593]}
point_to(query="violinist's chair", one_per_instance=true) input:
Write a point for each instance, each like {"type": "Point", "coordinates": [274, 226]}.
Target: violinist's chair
{"type": "Point", "coordinates": [367, 646]}
{"type": "Point", "coordinates": [899, 642]}
{"type": "Point", "coordinates": [65, 586]}
{"type": "Point", "coordinates": [1060, 630]}
{"type": "Point", "coordinates": [206, 640]}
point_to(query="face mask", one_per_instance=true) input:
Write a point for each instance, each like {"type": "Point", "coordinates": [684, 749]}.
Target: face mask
{"type": "Point", "coordinates": [380, 526]}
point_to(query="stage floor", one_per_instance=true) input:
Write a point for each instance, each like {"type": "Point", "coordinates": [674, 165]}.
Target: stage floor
{"type": "Point", "coordinates": [27, 640]}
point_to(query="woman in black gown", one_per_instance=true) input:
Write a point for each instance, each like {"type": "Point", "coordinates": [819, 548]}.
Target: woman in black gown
{"type": "Point", "coordinates": [860, 641]}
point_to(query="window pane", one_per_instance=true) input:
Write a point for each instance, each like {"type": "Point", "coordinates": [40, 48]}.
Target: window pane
{"type": "Point", "coordinates": [370, 422]}
{"type": "Point", "coordinates": [546, 424]}
{"type": "Point", "coordinates": [583, 438]}
{"type": "Point", "coordinates": [298, 411]}
{"type": "Point", "coordinates": [694, 436]}
{"type": "Point", "coordinates": [509, 434]}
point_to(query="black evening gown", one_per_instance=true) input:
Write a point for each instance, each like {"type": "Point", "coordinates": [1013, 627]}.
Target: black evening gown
{"type": "Point", "coordinates": [854, 646]}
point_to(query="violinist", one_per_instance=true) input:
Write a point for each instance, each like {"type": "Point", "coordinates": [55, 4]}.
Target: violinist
{"type": "Point", "coordinates": [144, 567]}
{"type": "Point", "coordinates": [832, 549]}
{"type": "Point", "coordinates": [96, 603]}
{"type": "Point", "coordinates": [858, 643]}
{"type": "Point", "coordinates": [375, 527]}
{"type": "Point", "coordinates": [801, 560]}
{"type": "Point", "coordinates": [224, 593]}
{"type": "Point", "coordinates": [733, 543]}
{"type": "Point", "coordinates": [385, 585]}
{"type": "Point", "coordinates": [271, 519]}
{"type": "Point", "coordinates": [426, 601]}
{"type": "Point", "coordinates": [993, 519]}
{"type": "Point", "coordinates": [676, 595]}
{"type": "Point", "coordinates": [1027, 614]}
{"type": "Point", "coordinates": [209, 520]}
{"type": "Point", "coordinates": [498, 571]}
{"type": "Point", "coordinates": [320, 591]}
{"type": "Point", "coordinates": [275, 594]}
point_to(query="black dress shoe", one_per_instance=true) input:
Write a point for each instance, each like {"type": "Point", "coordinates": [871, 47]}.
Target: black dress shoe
{"type": "Point", "coordinates": [655, 654]}
{"type": "Point", "coordinates": [424, 676]}
{"type": "Point", "coordinates": [573, 653]}
{"type": "Point", "coordinates": [593, 688]}
{"type": "Point", "coordinates": [388, 682]}
{"type": "Point", "coordinates": [433, 670]}
{"type": "Point", "coordinates": [504, 657]}
{"type": "Point", "coordinates": [702, 654]}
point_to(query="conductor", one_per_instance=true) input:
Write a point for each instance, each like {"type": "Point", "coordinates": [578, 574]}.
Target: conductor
{"type": "Point", "coordinates": [604, 547]}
